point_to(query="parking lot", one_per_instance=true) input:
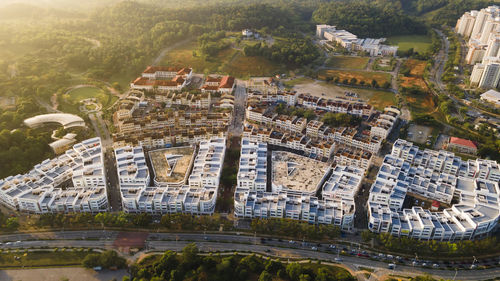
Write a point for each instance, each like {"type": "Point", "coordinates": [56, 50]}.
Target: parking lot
{"type": "Point", "coordinates": [419, 134]}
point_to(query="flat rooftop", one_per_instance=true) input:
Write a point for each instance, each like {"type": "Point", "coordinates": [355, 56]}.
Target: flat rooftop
{"type": "Point", "coordinates": [294, 172]}
{"type": "Point", "coordinates": [171, 165]}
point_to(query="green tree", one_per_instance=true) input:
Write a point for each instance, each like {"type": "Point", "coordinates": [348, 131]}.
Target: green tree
{"type": "Point", "coordinates": [265, 276]}
{"type": "Point", "coordinates": [12, 223]}
{"type": "Point", "coordinates": [294, 270]}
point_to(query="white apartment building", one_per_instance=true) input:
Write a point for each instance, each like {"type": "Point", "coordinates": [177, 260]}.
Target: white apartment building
{"type": "Point", "coordinates": [39, 190]}
{"type": "Point", "coordinates": [384, 123]}
{"type": "Point", "coordinates": [252, 171]}
{"type": "Point", "coordinates": [207, 165]}
{"type": "Point", "coordinates": [170, 192]}
{"type": "Point", "coordinates": [354, 157]}
{"type": "Point", "coordinates": [490, 76]}
{"type": "Point", "coordinates": [440, 176]}
{"type": "Point", "coordinates": [482, 28]}
{"type": "Point", "coordinates": [337, 206]}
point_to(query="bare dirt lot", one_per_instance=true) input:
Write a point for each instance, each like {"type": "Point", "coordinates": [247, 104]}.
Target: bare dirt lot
{"type": "Point", "coordinates": [377, 98]}
{"type": "Point", "coordinates": [66, 273]}
{"type": "Point", "coordinates": [418, 133]}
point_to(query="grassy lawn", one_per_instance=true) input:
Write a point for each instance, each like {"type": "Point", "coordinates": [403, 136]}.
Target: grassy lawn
{"type": "Point", "coordinates": [229, 61]}
{"type": "Point", "coordinates": [185, 57]}
{"type": "Point", "coordinates": [301, 80]}
{"type": "Point", "coordinates": [70, 102]}
{"type": "Point", "coordinates": [42, 259]}
{"type": "Point", "coordinates": [83, 93]}
{"type": "Point", "coordinates": [376, 98]}
{"type": "Point", "coordinates": [244, 67]}
{"type": "Point", "coordinates": [366, 76]}
{"type": "Point", "coordinates": [384, 64]}
{"type": "Point", "coordinates": [419, 43]}
{"type": "Point", "coordinates": [123, 79]}
{"type": "Point", "coordinates": [347, 62]}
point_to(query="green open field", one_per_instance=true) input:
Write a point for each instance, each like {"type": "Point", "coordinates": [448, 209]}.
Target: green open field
{"type": "Point", "coordinates": [243, 67]}
{"type": "Point", "coordinates": [365, 76]}
{"type": "Point", "coordinates": [347, 62]}
{"type": "Point", "coordinates": [70, 101]}
{"type": "Point", "coordinates": [41, 259]}
{"type": "Point", "coordinates": [419, 43]}
{"type": "Point", "coordinates": [229, 61]}
{"type": "Point", "coordinates": [84, 93]}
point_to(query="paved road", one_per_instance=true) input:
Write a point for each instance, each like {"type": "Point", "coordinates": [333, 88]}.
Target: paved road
{"type": "Point", "coordinates": [240, 94]}
{"type": "Point", "coordinates": [253, 244]}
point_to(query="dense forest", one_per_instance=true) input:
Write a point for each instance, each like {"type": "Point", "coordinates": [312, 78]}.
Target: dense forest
{"type": "Point", "coordinates": [368, 19]}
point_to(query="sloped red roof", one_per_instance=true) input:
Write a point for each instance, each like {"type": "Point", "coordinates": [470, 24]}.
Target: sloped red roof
{"type": "Point", "coordinates": [462, 142]}
{"type": "Point", "coordinates": [165, 83]}
{"type": "Point", "coordinates": [178, 79]}
{"type": "Point", "coordinates": [141, 81]}
{"type": "Point", "coordinates": [184, 71]}
{"type": "Point", "coordinates": [227, 82]}
{"type": "Point", "coordinates": [213, 79]}
{"type": "Point", "coordinates": [210, 88]}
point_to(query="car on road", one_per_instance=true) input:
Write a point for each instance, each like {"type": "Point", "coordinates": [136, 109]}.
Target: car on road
{"type": "Point", "coordinates": [314, 248]}
{"type": "Point", "coordinates": [435, 265]}
{"type": "Point", "coordinates": [338, 259]}
{"type": "Point", "coordinates": [332, 246]}
{"type": "Point", "coordinates": [391, 266]}
{"type": "Point", "coordinates": [291, 242]}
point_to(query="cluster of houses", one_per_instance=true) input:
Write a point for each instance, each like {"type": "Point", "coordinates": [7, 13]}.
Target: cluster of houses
{"type": "Point", "coordinates": [164, 117]}
{"type": "Point", "coordinates": [470, 189]}
{"type": "Point", "coordinates": [166, 129]}
{"type": "Point", "coordinates": [186, 179]}
{"type": "Point", "coordinates": [294, 184]}
{"type": "Point", "coordinates": [73, 182]}
{"type": "Point", "coordinates": [296, 132]}
{"type": "Point", "coordinates": [169, 119]}
{"type": "Point", "coordinates": [297, 175]}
